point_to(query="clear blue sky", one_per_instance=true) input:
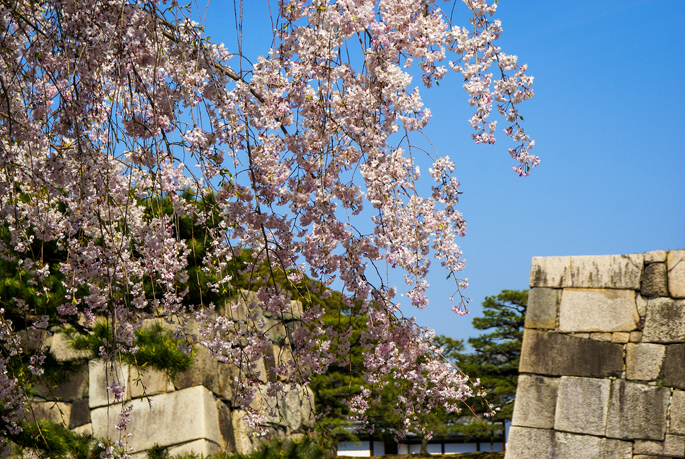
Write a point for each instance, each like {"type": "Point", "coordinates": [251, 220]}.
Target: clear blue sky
{"type": "Point", "coordinates": [608, 123]}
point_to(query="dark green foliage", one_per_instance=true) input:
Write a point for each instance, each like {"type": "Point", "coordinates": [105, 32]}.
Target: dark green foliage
{"type": "Point", "coordinates": [332, 388]}
{"type": "Point", "coordinates": [156, 347]}
{"type": "Point", "coordinates": [53, 440]}
{"type": "Point", "coordinates": [157, 452]}
{"type": "Point", "coordinates": [496, 355]}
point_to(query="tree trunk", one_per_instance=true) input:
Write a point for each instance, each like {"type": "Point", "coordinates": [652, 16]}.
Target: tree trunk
{"type": "Point", "coordinates": [424, 446]}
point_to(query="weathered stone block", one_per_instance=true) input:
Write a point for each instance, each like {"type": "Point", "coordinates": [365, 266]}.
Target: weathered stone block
{"type": "Point", "coordinates": [203, 372]}
{"type": "Point", "coordinates": [75, 388]}
{"type": "Point", "coordinates": [102, 375]}
{"type": "Point", "coordinates": [294, 312]}
{"type": "Point", "coordinates": [643, 361]}
{"type": "Point", "coordinates": [197, 448]}
{"type": "Point", "coordinates": [242, 433]}
{"type": "Point", "coordinates": [34, 339]}
{"type": "Point", "coordinates": [648, 447]}
{"type": "Point", "coordinates": [635, 337]}
{"type": "Point", "coordinates": [149, 382]}
{"type": "Point", "coordinates": [620, 337]}
{"type": "Point", "coordinates": [677, 413]}
{"type": "Point", "coordinates": [556, 354]}
{"type": "Point", "coordinates": [171, 419]}
{"type": "Point", "coordinates": [641, 304]}
{"type": "Point", "coordinates": [525, 443]}
{"type": "Point", "coordinates": [58, 412]}
{"type": "Point", "coordinates": [573, 446]}
{"type": "Point", "coordinates": [672, 446]}
{"type": "Point", "coordinates": [542, 308]}
{"type": "Point", "coordinates": [656, 256]}
{"type": "Point", "coordinates": [654, 280]}
{"type": "Point", "coordinates": [291, 410]}
{"type": "Point", "coordinates": [674, 366]}
{"type": "Point", "coordinates": [308, 408]}
{"type": "Point", "coordinates": [277, 356]}
{"type": "Point", "coordinates": [80, 413]}
{"type": "Point", "coordinates": [61, 349]}
{"type": "Point", "coordinates": [86, 429]}
{"type": "Point", "coordinates": [616, 449]}
{"type": "Point", "coordinates": [582, 405]}
{"type": "Point", "coordinates": [275, 330]}
{"type": "Point", "coordinates": [570, 446]}
{"type": "Point", "coordinates": [601, 336]}
{"type": "Point", "coordinates": [675, 263]}
{"type": "Point", "coordinates": [225, 427]}
{"type": "Point", "coordinates": [665, 321]}
{"type": "Point", "coordinates": [607, 271]}
{"type": "Point", "coordinates": [601, 310]}
{"type": "Point", "coordinates": [637, 411]}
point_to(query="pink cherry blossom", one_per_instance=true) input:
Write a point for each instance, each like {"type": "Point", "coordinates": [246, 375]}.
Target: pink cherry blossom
{"type": "Point", "coordinates": [108, 108]}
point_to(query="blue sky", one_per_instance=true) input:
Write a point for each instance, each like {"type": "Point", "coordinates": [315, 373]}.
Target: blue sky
{"type": "Point", "coordinates": [608, 123]}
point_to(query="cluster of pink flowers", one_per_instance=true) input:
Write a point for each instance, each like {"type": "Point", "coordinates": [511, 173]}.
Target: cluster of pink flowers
{"type": "Point", "coordinates": [106, 108]}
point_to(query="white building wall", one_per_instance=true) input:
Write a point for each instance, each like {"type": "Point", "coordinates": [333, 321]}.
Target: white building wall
{"type": "Point", "coordinates": [350, 448]}
{"type": "Point", "coordinates": [456, 448]}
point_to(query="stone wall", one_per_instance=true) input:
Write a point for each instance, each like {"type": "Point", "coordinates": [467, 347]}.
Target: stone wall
{"type": "Point", "coordinates": [193, 412]}
{"type": "Point", "coordinates": [603, 359]}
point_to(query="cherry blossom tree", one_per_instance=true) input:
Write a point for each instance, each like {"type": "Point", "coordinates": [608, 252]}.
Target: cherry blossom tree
{"type": "Point", "coordinates": [119, 119]}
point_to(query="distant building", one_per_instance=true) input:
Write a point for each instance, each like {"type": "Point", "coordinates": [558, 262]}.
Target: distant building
{"type": "Point", "coordinates": [454, 444]}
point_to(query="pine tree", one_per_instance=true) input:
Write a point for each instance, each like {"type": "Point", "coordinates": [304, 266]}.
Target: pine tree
{"type": "Point", "coordinates": [496, 355]}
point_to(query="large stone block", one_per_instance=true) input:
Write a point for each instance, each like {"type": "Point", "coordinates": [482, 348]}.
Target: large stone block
{"type": "Point", "coordinates": [149, 382]}
{"type": "Point", "coordinates": [58, 412]}
{"type": "Point", "coordinates": [605, 310]}
{"type": "Point", "coordinates": [225, 427]}
{"type": "Point", "coordinates": [637, 411]}
{"type": "Point", "coordinates": [675, 263]}
{"type": "Point", "coordinates": [197, 448]}
{"type": "Point", "coordinates": [643, 361]}
{"type": "Point", "coordinates": [607, 271]}
{"type": "Point", "coordinates": [674, 366]}
{"type": "Point", "coordinates": [86, 429]}
{"type": "Point", "coordinates": [80, 414]}
{"type": "Point", "coordinates": [654, 281]}
{"type": "Point", "coordinates": [525, 443]}
{"type": "Point", "coordinates": [169, 419]}
{"type": "Point", "coordinates": [556, 354]}
{"type": "Point", "coordinates": [62, 349]}
{"type": "Point", "coordinates": [665, 321]}
{"type": "Point", "coordinates": [292, 409]}
{"type": "Point", "coordinates": [677, 413]}
{"type": "Point", "coordinates": [102, 375]}
{"type": "Point", "coordinates": [582, 405]}
{"type": "Point", "coordinates": [657, 256]}
{"type": "Point", "coordinates": [570, 446]}
{"type": "Point", "coordinates": [541, 311]}
{"type": "Point", "coordinates": [672, 446]}
{"type": "Point", "coordinates": [616, 449]}
{"type": "Point", "coordinates": [203, 372]}
{"type": "Point", "coordinates": [308, 408]}
{"type": "Point", "coordinates": [75, 388]}
{"type": "Point", "coordinates": [277, 356]}
{"type": "Point", "coordinates": [242, 433]}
